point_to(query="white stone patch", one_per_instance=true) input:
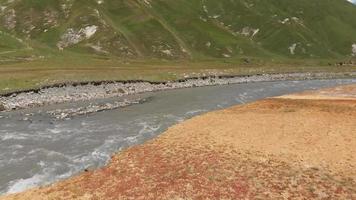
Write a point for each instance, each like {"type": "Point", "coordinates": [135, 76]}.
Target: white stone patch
{"type": "Point", "coordinates": [296, 19]}
{"type": "Point", "coordinates": [215, 16]}
{"type": "Point", "coordinates": [292, 20]}
{"type": "Point", "coordinates": [203, 19]}
{"type": "Point", "coordinates": [100, 2]}
{"type": "Point", "coordinates": [249, 32]}
{"type": "Point", "coordinates": [89, 31]}
{"type": "Point", "coordinates": [255, 32]}
{"type": "Point", "coordinates": [247, 5]}
{"type": "Point", "coordinates": [184, 50]}
{"type": "Point", "coordinates": [72, 36]}
{"type": "Point", "coordinates": [354, 49]}
{"type": "Point", "coordinates": [292, 48]}
{"type": "Point", "coordinates": [97, 13]}
{"type": "Point", "coordinates": [205, 9]}
{"type": "Point", "coordinates": [245, 31]}
{"type": "Point", "coordinates": [2, 8]}
{"type": "Point", "coordinates": [69, 38]}
{"type": "Point", "coordinates": [147, 2]}
{"type": "Point", "coordinates": [167, 52]}
{"type": "Point", "coordinates": [226, 55]}
{"type": "Point", "coordinates": [286, 20]}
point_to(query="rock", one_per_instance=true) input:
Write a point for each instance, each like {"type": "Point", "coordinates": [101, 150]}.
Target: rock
{"type": "Point", "coordinates": [119, 91]}
{"type": "Point", "coordinates": [2, 107]}
{"type": "Point", "coordinates": [246, 60]}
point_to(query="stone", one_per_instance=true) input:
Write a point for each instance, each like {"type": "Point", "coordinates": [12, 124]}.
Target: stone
{"type": "Point", "coordinates": [2, 107]}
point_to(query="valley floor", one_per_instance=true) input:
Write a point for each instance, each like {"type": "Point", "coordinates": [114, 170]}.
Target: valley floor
{"type": "Point", "coordinates": [38, 73]}
{"type": "Point", "coordinates": [292, 147]}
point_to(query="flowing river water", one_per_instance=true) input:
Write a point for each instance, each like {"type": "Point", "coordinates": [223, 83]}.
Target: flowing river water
{"type": "Point", "coordinates": [37, 149]}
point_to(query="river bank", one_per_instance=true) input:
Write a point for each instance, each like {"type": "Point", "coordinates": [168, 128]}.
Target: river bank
{"type": "Point", "coordinates": [275, 148]}
{"type": "Point", "coordinates": [73, 92]}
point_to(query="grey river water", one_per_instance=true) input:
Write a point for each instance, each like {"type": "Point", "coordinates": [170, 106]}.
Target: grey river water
{"type": "Point", "coordinates": [36, 149]}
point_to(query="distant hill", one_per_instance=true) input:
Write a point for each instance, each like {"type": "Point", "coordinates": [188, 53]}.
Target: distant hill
{"type": "Point", "coordinates": [178, 29]}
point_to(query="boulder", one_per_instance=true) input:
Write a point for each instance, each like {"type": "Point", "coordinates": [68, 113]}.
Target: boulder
{"type": "Point", "coordinates": [2, 107]}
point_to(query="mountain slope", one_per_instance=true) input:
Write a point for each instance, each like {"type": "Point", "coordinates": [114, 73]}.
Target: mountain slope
{"type": "Point", "coordinates": [178, 29]}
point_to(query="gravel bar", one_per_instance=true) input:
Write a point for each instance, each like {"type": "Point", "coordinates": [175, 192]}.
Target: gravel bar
{"type": "Point", "coordinates": [73, 92]}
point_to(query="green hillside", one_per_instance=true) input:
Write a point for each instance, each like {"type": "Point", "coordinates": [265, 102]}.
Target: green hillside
{"type": "Point", "coordinates": [178, 29]}
{"type": "Point", "coordinates": [40, 38]}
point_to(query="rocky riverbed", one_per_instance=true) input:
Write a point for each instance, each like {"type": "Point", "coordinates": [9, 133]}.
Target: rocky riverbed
{"type": "Point", "coordinates": [92, 108]}
{"type": "Point", "coordinates": [89, 91]}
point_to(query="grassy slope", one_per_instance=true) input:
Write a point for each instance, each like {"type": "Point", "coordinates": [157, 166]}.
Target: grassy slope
{"type": "Point", "coordinates": [196, 29]}
{"type": "Point", "coordinates": [167, 39]}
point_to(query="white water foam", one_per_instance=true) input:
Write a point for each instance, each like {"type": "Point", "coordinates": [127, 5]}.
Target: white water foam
{"type": "Point", "coordinates": [14, 136]}
{"type": "Point", "coordinates": [36, 180]}
{"type": "Point", "coordinates": [174, 118]}
{"type": "Point", "coordinates": [23, 184]}
{"type": "Point", "coordinates": [195, 112]}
